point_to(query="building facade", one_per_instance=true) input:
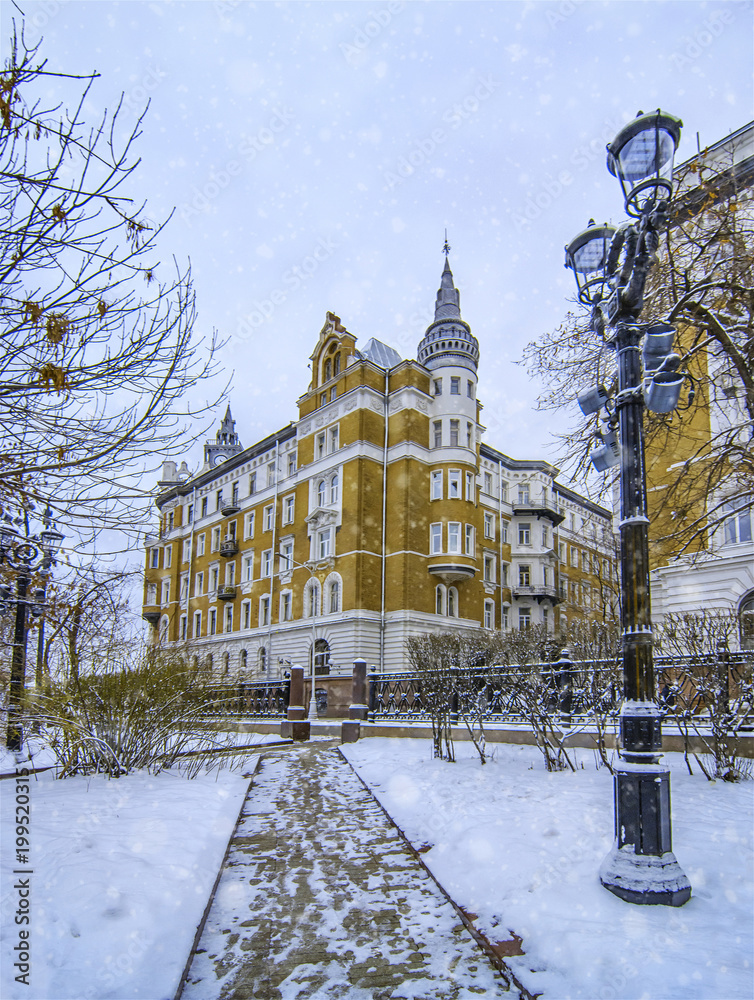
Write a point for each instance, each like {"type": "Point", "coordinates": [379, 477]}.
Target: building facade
{"type": "Point", "coordinates": [713, 569]}
{"type": "Point", "coordinates": [379, 513]}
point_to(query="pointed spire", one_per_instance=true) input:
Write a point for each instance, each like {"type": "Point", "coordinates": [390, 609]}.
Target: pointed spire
{"type": "Point", "coordinates": [448, 339]}
{"type": "Point", "coordinates": [227, 432]}
{"type": "Point", "coordinates": [448, 304]}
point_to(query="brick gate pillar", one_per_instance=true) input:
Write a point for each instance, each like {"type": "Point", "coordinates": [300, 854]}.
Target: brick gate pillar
{"type": "Point", "coordinates": [351, 730]}
{"type": "Point", "coordinates": [296, 726]}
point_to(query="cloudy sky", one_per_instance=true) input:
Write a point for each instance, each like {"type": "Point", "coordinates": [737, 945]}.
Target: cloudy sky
{"type": "Point", "coordinates": [315, 153]}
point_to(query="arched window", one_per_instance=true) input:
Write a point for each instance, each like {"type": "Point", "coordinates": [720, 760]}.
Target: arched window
{"type": "Point", "coordinates": [334, 487]}
{"type": "Point", "coordinates": [321, 493]}
{"type": "Point", "coordinates": [226, 663]}
{"type": "Point", "coordinates": [336, 364]}
{"type": "Point", "coordinates": [311, 599]}
{"type": "Point", "coordinates": [194, 662]}
{"type": "Point", "coordinates": [334, 597]}
{"type": "Point", "coordinates": [262, 659]}
{"type": "Point", "coordinates": [439, 599]}
{"type": "Point", "coordinates": [321, 656]}
{"type": "Point", "coordinates": [243, 659]}
{"type": "Point", "coordinates": [746, 621]}
{"type": "Point", "coordinates": [210, 661]}
{"type": "Point", "coordinates": [452, 602]}
{"type": "Point", "coordinates": [163, 634]}
{"type": "Point", "coordinates": [489, 614]}
{"type": "Point", "coordinates": [328, 370]}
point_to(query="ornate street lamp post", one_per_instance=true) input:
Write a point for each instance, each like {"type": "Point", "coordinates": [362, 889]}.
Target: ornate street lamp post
{"type": "Point", "coordinates": [25, 554]}
{"type": "Point", "coordinates": [611, 269]}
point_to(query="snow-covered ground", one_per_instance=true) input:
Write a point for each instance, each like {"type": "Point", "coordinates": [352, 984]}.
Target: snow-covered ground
{"type": "Point", "coordinates": [521, 848]}
{"type": "Point", "coordinates": [122, 871]}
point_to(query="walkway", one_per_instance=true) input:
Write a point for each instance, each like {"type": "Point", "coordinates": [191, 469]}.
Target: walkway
{"type": "Point", "coordinates": [321, 899]}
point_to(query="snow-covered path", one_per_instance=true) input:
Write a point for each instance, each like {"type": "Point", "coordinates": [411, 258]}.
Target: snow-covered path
{"type": "Point", "coordinates": [320, 898]}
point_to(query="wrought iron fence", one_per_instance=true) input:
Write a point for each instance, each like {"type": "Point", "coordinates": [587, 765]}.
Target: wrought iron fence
{"type": "Point", "coordinates": [255, 699]}
{"type": "Point", "coordinates": [579, 690]}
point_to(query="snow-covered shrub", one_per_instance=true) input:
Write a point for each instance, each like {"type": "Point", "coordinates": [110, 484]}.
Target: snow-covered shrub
{"type": "Point", "coordinates": [123, 717]}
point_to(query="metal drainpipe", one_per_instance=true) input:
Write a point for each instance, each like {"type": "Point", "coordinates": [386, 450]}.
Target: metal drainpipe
{"type": "Point", "coordinates": [384, 518]}
{"type": "Point", "coordinates": [272, 568]}
{"type": "Point", "coordinates": [500, 531]}
{"type": "Point", "coordinates": [191, 564]}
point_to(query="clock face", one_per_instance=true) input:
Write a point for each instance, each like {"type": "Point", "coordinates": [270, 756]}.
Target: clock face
{"type": "Point", "coordinates": [220, 459]}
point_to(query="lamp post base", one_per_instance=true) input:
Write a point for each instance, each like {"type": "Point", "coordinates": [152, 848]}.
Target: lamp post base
{"type": "Point", "coordinates": [641, 867]}
{"type": "Point", "coordinates": [648, 879]}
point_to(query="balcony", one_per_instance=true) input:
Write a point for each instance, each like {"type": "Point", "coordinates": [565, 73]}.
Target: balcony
{"type": "Point", "coordinates": [450, 571]}
{"type": "Point", "coordinates": [227, 593]}
{"type": "Point", "coordinates": [538, 508]}
{"type": "Point", "coordinates": [229, 508]}
{"type": "Point", "coordinates": [538, 592]}
{"type": "Point", "coordinates": [152, 615]}
{"type": "Point", "coordinates": [228, 548]}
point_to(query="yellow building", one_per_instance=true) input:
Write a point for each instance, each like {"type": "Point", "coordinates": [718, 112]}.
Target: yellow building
{"type": "Point", "coordinates": [702, 558]}
{"type": "Point", "coordinates": [378, 514]}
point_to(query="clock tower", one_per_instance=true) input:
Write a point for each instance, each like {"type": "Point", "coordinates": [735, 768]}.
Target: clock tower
{"type": "Point", "coordinates": [225, 445]}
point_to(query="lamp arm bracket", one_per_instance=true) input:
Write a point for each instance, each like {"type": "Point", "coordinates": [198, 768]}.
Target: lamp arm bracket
{"type": "Point", "coordinates": [616, 245]}
{"type": "Point", "coordinates": [626, 396]}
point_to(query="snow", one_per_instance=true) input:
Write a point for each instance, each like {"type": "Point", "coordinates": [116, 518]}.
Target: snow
{"type": "Point", "coordinates": [122, 871]}
{"type": "Point", "coordinates": [322, 899]}
{"type": "Point", "coordinates": [521, 848]}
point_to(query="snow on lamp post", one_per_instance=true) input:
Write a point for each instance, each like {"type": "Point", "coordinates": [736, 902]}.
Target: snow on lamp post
{"type": "Point", "coordinates": [611, 269]}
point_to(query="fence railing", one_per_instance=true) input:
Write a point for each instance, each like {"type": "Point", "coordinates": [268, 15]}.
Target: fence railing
{"type": "Point", "coordinates": [255, 699]}
{"type": "Point", "coordinates": [579, 690]}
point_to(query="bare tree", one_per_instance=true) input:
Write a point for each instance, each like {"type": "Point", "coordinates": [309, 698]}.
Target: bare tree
{"type": "Point", "coordinates": [710, 698]}
{"type": "Point", "coordinates": [702, 283]}
{"type": "Point", "coordinates": [88, 620]}
{"type": "Point", "coordinates": [98, 345]}
{"type": "Point", "coordinates": [431, 657]}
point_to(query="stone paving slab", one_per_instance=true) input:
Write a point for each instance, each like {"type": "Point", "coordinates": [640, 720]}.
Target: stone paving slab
{"type": "Point", "coordinates": [320, 898]}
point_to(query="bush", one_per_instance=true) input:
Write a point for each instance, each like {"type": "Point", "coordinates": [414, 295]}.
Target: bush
{"type": "Point", "coordinates": [121, 718]}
